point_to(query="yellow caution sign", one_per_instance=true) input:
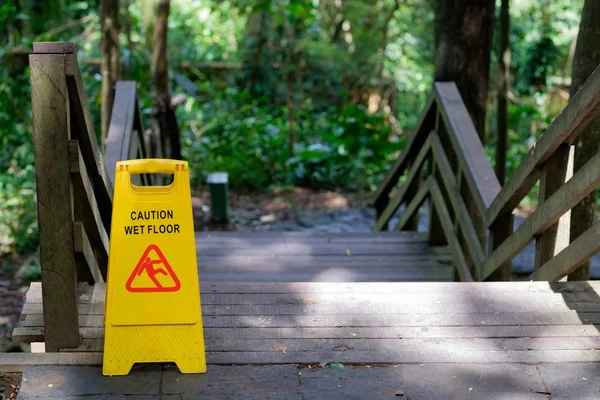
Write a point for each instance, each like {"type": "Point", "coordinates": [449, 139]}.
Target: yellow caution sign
{"type": "Point", "coordinates": [153, 296]}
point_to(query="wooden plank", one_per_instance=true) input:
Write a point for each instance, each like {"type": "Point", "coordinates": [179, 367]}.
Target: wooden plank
{"type": "Point", "coordinates": [362, 320]}
{"type": "Point", "coordinates": [36, 334]}
{"type": "Point", "coordinates": [409, 356]}
{"type": "Point", "coordinates": [556, 171]}
{"type": "Point", "coordinates": [87, 308]}
{"type": "Point", "coordinates": [366, 299]}
{"type": "Point", "coordinates": [378, 345]}
{"type": "Point", "coordinates": [89, 210]}
{"type": "Point", "coordinates": [459, 260]}
{"type": "Point", "coordinates": [53, 48]}
{"type": "Point", "coordinates": [583, 183]}
{"type": "Point", "coordinates": [14, 362]}
{"type": "Point", "coordinates": [457, 203]}
{"type": "Point", "coordinates": [388, 292]}
{"type": "Point", "coordinates": [121, 125]}
{"type": "Point", "coordinates": [332, 250]}
{"type": "Point", "coordinates": [569, 259]}
{"type": "Point", "coordinates": [248, 239]}
{"type": "Point", "coordinates": [439, 274]}
{"type": "Point", "coordinates": [361, 298]}
{"type": "Point", "coordinates": [51, 127]}
{"type": "Point", "coordinates": [415, 141]}
{"type": "Point", "coordinates": [85, 253]}
{"type": "Point", "coordinates": [316, 263]}
{"type": "Point", "coordinates": [297, 235]}
{"type": "Point", "coordinates": [335, 276]}
{"type": "Point", "coordinates": [83, 131]}
{"type": "Point", "coordinates": [398, 198]}
{"type": "Point", "coordinates": [582, 108]}
{"type": "Point", "coordinates": [464, 138]}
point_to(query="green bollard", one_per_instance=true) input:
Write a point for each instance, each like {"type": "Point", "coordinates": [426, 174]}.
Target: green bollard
{"type": "Point", "coordinates": [218, 183]}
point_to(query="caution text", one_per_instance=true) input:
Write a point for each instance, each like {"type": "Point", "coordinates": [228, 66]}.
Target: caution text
{"type": "Point", "coordinates": [152, 229]}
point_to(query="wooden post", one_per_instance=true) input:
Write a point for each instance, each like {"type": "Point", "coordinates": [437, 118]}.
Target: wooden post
{"type": "Point", "coordinates": [499, 231]}
{"type": "Point", "coordinates": [556, 171]}
{"type": "Point", "coordinates": [379, 208]}
{"type": "Point", "coordinates": [478, 225]}
{"type": "Point", "coordinates": [51, 130]}
{"type": "Point", "coordinates": [411, 191]}
{"type": "Point", "coordinates": [436, 231]}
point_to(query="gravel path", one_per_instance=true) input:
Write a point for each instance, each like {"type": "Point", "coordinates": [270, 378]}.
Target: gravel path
{"type": "Point", "coordinates": [362, 220]}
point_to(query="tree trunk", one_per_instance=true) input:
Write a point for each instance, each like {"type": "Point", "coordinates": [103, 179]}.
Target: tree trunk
{"type": "Point", "coordinates": [164, 115]}
{"type": "Point", "coordinates": [256, 40]}
{"type": "Point", "coordinates": [110, 58]}
{"type": "Point", "coordinates": [503, 81]}
{"type": "Point", "coordinates": [463, 35]}
{"type": "Point", "coordinates": [587, 58]}
{"type": "Point", "coordinates": [384, 37]}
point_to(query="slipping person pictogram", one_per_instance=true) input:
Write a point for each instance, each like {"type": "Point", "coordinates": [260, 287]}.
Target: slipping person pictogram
{"type": "Point", "coordinates": [146, 265]}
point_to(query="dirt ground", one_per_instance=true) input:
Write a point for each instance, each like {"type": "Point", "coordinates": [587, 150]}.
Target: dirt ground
{"type": "Point", "coordinates": [256, 211]}
{"type": "Point", "coordinates": [9, 385]}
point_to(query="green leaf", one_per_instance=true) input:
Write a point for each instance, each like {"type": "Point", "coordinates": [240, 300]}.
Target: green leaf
{"type": "Point", "coordinates": [337, 367]}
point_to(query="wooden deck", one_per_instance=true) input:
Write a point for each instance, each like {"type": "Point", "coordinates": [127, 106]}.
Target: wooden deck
{"type": "Point", "coordinates": [275, 321]}
{"type": "Point", "coordinates": [314, 257]}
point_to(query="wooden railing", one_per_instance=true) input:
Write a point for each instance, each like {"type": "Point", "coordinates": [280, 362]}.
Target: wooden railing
{"type": "Point", "coordinates": [445, 162]}
{"type": "Point", "coordinates": [74, 182]}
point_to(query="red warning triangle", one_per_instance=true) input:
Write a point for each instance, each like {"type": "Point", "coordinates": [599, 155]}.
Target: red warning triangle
{"type": "Point", "coordinates": [153, 273]}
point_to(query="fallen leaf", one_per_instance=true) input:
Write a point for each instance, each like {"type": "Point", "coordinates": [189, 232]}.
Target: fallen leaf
{"type": "Point", "coordinates": [354, 334]}
{"type": "Point", "coordinates": [399, 393]}
{"type": "Point", "coordinates": [84, 297]}
{"type": "Point", "coordinates": [348, 252]}
{"type": "Point", "coordinates": [337, 367]}
{"type": "Point", "coordinates": [470, 389]}
{"type": "Point", "coordinates": [282, 349]}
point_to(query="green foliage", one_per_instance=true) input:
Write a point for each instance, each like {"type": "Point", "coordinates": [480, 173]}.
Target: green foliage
{"type": "Point", "coordinates": [18, 224]}
{"type": "Point", "coordinates": [340, 147]}
{"type": "Point", "coordinates": [319, 75]}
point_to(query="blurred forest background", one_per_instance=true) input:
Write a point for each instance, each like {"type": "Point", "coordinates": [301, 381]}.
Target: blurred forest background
{"type": "Point", "coordinates": [310, 93]}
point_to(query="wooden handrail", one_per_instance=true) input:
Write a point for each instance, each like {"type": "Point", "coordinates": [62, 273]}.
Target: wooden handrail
{"type": "Point", "coordinates": [125, 139]}
{"type": "Point", "coordinates": [466, 199]}
{"type": "Point", "coordinates": [74, 186]}
{"type": "Point", "coordinates": [580, 110]}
